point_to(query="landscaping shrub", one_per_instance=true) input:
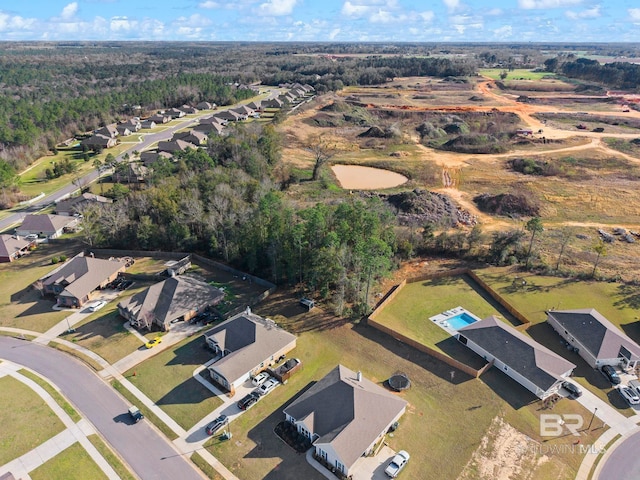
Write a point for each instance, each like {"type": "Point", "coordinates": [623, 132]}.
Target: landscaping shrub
{"type": "Point", "coordinates": [530, 166]}
{"type": "Point", "coordinates": [507, 204]}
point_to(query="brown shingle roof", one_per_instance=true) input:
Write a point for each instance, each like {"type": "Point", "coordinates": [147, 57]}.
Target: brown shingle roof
{"type": "Point", "coordinates": [346, 413]}
{"type": "Point", "coordinates": [48, 224]}
{"type": "Point", "coordinates": [9, 245]}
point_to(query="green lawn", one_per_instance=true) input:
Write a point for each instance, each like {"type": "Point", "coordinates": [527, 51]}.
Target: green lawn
{"type": "Point", "coordinates": [28, 422]}
{"type": "Point", "coordinates": [57, 396]}
{"type": "Point", "coordinates": [103, 333]}
{"type": "Point", "coordinates": [21, 305]}
{"type": "Point", "coordinates": [167, 379]}
{"type": "Point", "coordinates": [445, 421]}
{"type": "Point", "coordinates": [518, 73]}
{"type": "Point", "coordinates": [408, 313]}
{"type": "Point", "coordinates": [74, 463]}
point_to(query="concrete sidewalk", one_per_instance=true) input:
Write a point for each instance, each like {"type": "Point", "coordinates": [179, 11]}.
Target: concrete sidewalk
{"type": "Point", "coordinates": [21, 466]}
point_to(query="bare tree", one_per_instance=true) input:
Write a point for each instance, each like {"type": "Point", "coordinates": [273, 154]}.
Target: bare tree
{"type": "Point", "coordinates": [322, 151]}
{"type": "Point", "coordinates": [565, 237]}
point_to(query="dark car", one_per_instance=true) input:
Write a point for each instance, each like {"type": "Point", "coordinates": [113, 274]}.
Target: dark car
{"type": "Point", "coordinates": [573, 390]}
{"type": "Point", "coordinates": [248, 401]}
{"type": "Point", "coordinates": [135, 414]}
{"type": "Point", "coordinates": [216, 425]}
{"type": "Point", "coordinates": [611, 374]}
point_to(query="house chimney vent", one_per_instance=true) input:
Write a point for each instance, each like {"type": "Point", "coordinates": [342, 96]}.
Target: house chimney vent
{"type": "Point", "coordinates": [359, 376]}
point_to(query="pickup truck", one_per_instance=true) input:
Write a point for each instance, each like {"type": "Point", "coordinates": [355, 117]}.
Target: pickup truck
{"type": "Point", "coordinates": [135, 414]}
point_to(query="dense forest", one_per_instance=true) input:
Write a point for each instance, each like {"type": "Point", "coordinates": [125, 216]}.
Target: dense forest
{"type": "Point", "coordinates": [622, 75]}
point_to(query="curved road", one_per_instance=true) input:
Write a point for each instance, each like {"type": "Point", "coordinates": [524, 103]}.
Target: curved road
{"type": "Point", "coordinates": [624, 461]}
{"type": "Point", "coordinates": [148, 453]}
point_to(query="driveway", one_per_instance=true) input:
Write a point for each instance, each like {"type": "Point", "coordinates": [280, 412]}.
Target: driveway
{"type": "Point", "coordinates": [146, 451]}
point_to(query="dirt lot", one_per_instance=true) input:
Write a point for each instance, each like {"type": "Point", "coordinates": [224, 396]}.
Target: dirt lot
{"type": "Point", "coordinates": [601, 195]}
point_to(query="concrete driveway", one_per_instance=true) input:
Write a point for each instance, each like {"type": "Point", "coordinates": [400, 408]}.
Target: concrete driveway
{"type": "Point", "coordinates": [373, 467]}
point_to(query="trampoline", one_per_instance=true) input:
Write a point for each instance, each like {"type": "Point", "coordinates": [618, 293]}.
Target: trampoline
{"type": "Point", "coordinates": [399, 381]}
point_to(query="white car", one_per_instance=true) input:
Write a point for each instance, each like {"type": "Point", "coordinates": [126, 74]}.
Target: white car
{"type": "Point", "coordinates": [95, 306]}
{"type": "Point", "coordinates": [267, 386]}
{"type": "Point", "coordinates": [31, 236]}
{"type": "Point", "coordinates": [397, 464]}
{"type": "Point", "coordinates": [260, 379]}
{"type": "Point", "coordinates": [629, 395]}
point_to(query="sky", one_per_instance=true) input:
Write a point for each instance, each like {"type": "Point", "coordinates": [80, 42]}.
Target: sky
{"type": "Point", "coordinates": [323, 20]}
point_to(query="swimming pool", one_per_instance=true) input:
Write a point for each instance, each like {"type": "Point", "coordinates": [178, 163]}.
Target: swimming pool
{"type": "Point", "coordinates": [461, 320]}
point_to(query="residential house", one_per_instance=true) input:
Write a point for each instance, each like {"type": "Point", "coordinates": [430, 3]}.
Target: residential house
{"type": "Point", "coordinates": [206, 106]}
{"type": "Point", "coordinates": [244, 110]}
{"type": "Point", "coordinates": [188, 109]}
{"type": "Point", "coordinates": [13, 247]}
{"type": "Point", "coordinates": [209, 128]}
{"type": "Point", "coordinates": [72, 206]}
{"type": "Point", "coordinates": [231, 115]}
{"type": "Point", "coordinates": [245, 345]}
{"type": "Point", "coordinates": [148, 158]}
{"type": "Point", "coordinates": [180, 297]}
{"type": "Point", "coordinates": [255, 106]}
{"type": "Point", "coordinates": [133, 124]}
{"type": "Point", "coordinates": [147, 124]}
{"type": "Point", "coordinates": [130, 172]}
{"type": "Point", "coordinates": [45, 226]}
{"type": "Point", "coordinates": [108, 131]}
{"type": "Point", "coordinates": [345, 416]}
{"type": "Point", "coordinates": [523, 359]}
{"type": "Point", "coordinates": [174, 113]}
{"type": "Point", "coordinates": [99, 141]}
{"type": "Point", "coordinates": [159, 118]}
{"type": "Point", "coordinates": [123, 130]}
{"type": "Point", "coordinates": [172, 146]}
{"type": "Point", "coordinates": [74, 282]}
{"type": "Point", "coordinates": [272, 103]}
{"type": "Point", "coordinates": [213, 119]}
{"type": "Point", "coordinates": [194, 137]}
{"type": "Point", "coordinates": [597, 340]}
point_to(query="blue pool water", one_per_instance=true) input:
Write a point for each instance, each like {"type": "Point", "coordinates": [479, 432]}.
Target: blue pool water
{"type": "Point", "coordinates": [461, 320]}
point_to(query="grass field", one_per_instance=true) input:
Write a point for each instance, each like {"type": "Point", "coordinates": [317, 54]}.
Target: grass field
{"type": "Point", "coordinates": [113, 460]}
{"type": "Point", "coordinates": [518, 73]}
{"type": "Point", "coordinates": [29, 422]}
{"type": "Point", "coordinates": [167, 379]}
{"type": "Point", "coordinates": [74, 463]}
{"type": "Point", "coordinates": [445, 421]}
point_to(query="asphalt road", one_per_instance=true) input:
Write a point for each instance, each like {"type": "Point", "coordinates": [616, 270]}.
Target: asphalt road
{"type": "Point", "coordinates": [624, 462]}
{"type": "Point", "coordinates": [148, 453]}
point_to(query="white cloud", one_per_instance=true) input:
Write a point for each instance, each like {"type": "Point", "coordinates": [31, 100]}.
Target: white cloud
{"type": "Point", "coordinates": [426, 16]}
{"type": "Point", "coordinates": [195, 20]}
{"type": "Point", "coordinates": [69, 11]}
{"type": "Point", "coordinates": [334, 33]}
{"type": "Point", "coordinates": [362, 8]}
{"type": "Point", "coordinates": [277, 8]}
{"type": "Point", "coordinates": [634, 14]}
{"type": "Point", "coordinates": [542, 4]}
{"type": "Point", "coordinates": [451, 5]}
{"type": "Point", "coordinates": [494, 12]}
{"type": "Point", "coordinates": [503, 32]}
{"type": "Point", "coordinates": [353, 10]}
{"type": "Point", "coordinates": [12, 23]}
{"type": "Point", "coordinates": [590, 13]}
{"type": "Point", "coordinates": [209, 4]}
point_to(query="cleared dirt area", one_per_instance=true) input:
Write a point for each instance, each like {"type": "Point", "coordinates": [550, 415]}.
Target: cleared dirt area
{"type": "Point", "coordinates": [367, 178]}
{"type": "Point", "coordinates": [428, 130]}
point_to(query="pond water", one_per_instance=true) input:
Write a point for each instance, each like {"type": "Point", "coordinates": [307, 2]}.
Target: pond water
{"type": "Point", "coordinates": [356, 177]}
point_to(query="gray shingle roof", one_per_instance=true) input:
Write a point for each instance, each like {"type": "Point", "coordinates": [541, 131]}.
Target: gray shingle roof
{"type": "Point", "coordinates": [522, 354]}
{"type": "Point", "coordinates": [82, 275]}
{"type": "Point", "coordinates": [48, 224]}
{"type": "Point", "coordinates": [9, 245]}
{"type": "Point", "coordinates": [172, 298]}
{"type": "Point", "coordinates": [599, 336]}
{"type": "Point", "coordinates": [347, 413]}
{"type": "Point", "coordinates": [251, 340]}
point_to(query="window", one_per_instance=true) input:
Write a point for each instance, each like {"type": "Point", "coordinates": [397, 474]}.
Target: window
{"type": "Point", "coordinates": [339, 466]}
{"type": "Point", "coordinates": [322, 454]}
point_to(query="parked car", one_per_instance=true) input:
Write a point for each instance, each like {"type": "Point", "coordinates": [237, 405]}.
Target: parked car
{"type": "Point", "coordinates": [153, 343]}
{"type": "Point", "coordinates": [267, 386]}
{"type": "Point", "coordinates": [248, 401]}
{"type": "Point", "coordinates": [397, 464]}
{"type": "Point", "coordinates": [135, 414]}
{"type": "Point", "coordinates": [635, 385]}
{"type": "Point", "coordinates": [31, 236]}
{"type": "Point", "coordinates": [574, 390]}
{"type": "Point", "coordinates": [611, 374]}
{"type": "Point", "coordinates": [259, 379]}
{"type": "Point", "coordinates": [216, 425]}
{"type": "Point", "coordinates": [629, 395]}
{"type": "Point", "coordinates": [95, 306]}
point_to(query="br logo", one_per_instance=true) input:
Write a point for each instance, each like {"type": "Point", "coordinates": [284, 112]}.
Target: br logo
{"type": "Point", "coordinates": [552, 425]}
